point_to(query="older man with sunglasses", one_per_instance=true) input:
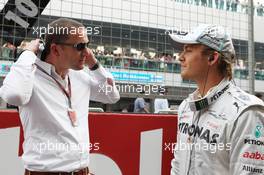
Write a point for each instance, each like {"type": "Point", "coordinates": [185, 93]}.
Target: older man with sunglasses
{"type": "Point", "coordinates": [53, 96]}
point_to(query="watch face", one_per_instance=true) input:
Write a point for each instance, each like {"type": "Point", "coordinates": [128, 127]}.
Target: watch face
{"type": "Point", "coordinates": [95, 66]}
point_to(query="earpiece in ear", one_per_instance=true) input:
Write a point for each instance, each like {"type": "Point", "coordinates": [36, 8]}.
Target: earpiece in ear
{"type": "Point", "coordinates": [211, 58]}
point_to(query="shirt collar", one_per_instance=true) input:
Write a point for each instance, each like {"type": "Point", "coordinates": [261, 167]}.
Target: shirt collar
{"type": "Point", "coordinates": [45, 66]}
{"type": "Point", "coordinates": [196, 94]}
{"type": "Point", "coordinates": [212, 96]}
{"type": "Point", "coordinates": [50, 69]}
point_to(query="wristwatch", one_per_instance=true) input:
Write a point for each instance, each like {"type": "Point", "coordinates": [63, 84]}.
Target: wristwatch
{"type": "Point", "coordinates": [95, 66]}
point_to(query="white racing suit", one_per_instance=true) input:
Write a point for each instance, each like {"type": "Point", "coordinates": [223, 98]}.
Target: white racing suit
{"type": "Point", "coordinates": [223, 134]}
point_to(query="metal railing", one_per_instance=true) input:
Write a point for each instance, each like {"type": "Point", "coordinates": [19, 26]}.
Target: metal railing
{"type": "Point", "coordinates": [136, 64]}
{"type": "Point", "coordinates": [139, 64]}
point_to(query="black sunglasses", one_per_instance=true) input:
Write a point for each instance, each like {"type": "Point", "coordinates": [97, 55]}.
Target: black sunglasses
{"type": "Point", "coordinates": [78, 46]}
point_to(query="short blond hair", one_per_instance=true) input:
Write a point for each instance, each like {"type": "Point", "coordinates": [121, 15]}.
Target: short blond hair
{"type": "Point", "coordinates": [225, 66]}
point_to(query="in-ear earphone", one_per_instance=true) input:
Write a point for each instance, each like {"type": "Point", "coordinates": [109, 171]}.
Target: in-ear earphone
{"type": "Point", "coordinates": [211, 58]}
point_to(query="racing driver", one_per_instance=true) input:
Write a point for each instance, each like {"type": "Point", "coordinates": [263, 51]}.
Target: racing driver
{"type": "Point", "coordinates": [220, 127]}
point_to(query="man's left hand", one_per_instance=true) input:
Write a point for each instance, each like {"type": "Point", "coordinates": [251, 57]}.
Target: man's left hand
{"type": "Point", "coordinates": [90, 59]}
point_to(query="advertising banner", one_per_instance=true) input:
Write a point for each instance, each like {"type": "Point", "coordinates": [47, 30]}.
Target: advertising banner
{"type": "Point", "coordinates": [120, 144]}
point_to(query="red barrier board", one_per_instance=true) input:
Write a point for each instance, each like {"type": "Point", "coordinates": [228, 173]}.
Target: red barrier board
{"type": "Point", "coordinates": [120, 137]}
